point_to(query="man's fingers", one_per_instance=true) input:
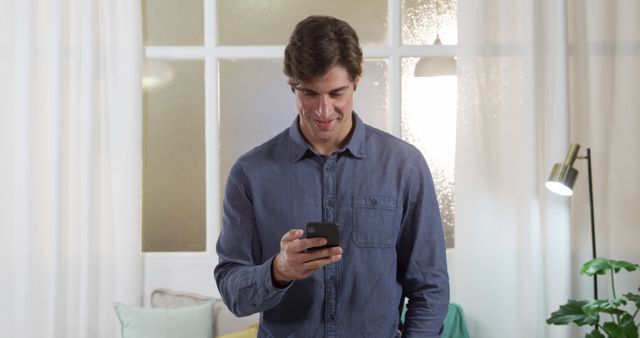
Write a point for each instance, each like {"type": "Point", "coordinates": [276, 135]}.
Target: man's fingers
{"type": "Point", "coordinates": [292, 244]}
{"type": "Point", "coordinates": [321, 253]}
{"type": "Point", "coordinates": [310, 243]}
{"type": "Point", "coordinates": [296, 261]}
{"type": "Point", "coordinates": [316, 264]}
{"type": "Point", "coordinates": [292, 235]}
{"type": "Point", "coordinates": [322, 257]}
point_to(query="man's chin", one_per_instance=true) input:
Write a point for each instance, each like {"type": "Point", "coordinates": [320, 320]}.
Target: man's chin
{"type": "Point", "coordinates": [325, 134]}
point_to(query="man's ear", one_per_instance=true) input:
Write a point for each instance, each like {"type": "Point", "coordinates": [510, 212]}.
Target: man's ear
{"type": "Point", "coordinates": [355, 83]}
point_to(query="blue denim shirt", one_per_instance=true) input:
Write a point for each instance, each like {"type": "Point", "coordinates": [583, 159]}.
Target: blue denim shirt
{"type": "Point", "coordinates": [378, 188]}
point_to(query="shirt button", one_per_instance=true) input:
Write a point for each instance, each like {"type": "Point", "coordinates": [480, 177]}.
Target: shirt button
{"type": "Point", "coordinates": [329, 203]}
{"type": "Point", "coordinates": [332, 279]}
{"type": "Point", "coordinates": [330, 318]}
{"type": "Point", "coordinates": [374, 202]}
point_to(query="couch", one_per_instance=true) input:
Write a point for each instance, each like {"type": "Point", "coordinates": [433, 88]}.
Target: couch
{"type": "Point", "coordinates": [181, 314]}
{"type": "Point", "coordinates": [224, 321]}
{"type": "Point", "coordinates": [209, 317]}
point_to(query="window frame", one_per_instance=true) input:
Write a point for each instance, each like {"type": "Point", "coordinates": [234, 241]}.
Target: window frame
{"type": "Point", "coordinates": [393, 51]}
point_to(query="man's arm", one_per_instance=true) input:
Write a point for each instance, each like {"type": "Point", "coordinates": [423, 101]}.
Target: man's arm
{"type": "Point", "coordinates": [248, 286]}
{"type": "Point", "coordinates": [244, 281]}
{"type": "Point", "coordinates": [422, 258]}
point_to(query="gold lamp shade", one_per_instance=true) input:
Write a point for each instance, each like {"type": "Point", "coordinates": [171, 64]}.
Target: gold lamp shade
{"type": "Point", "coordinates": [563, 175]}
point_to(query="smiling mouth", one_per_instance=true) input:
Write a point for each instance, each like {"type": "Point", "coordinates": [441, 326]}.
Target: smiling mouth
{"type": "Point", "coordinates": [324, 125]}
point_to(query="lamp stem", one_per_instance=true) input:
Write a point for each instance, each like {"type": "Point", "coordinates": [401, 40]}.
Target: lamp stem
{"type": "Point", "coordinates": [593, 228]}
{"type": "Point", "coordinates": [572, 154]}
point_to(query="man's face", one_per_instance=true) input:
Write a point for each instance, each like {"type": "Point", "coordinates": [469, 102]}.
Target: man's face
{"type": "Point", "coordinates": [325, 105]}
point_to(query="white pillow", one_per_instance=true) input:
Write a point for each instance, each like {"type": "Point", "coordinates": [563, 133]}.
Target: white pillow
{"type": "Point", "coordinates": [171, 298]}
{"type": "Point", "coordinates": [190, 321]}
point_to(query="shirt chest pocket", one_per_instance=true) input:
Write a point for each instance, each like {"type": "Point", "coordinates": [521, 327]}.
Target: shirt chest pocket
{"type": "Point", "coordinates": [375, 221]}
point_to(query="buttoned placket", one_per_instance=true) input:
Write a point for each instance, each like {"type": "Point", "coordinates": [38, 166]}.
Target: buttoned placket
{"type": "Point", "coordinates": [330, 271]}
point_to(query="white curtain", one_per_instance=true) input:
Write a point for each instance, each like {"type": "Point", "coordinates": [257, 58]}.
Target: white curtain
{"type": "Point", "coordinates": [528, 86]}
{"type": "Point", "coordinates": [70, 140]}
{"type": "Point", "coordinates": [605, 116]}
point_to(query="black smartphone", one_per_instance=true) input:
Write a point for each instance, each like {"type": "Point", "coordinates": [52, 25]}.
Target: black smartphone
{"type": "Point", "coordinates": [328, 230]}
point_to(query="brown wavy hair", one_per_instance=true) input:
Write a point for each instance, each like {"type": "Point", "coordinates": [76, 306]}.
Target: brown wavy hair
{"type": "Point", "coordinates": [319, 43]}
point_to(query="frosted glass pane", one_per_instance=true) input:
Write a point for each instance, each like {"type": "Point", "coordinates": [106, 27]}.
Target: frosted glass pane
{"type": "Point", "coordinates": [423, 20]}
{"type": "Point", "coordinates": [429, 123]}
{"type": "Point", "coordinates": [372, 95]}
{"type": "Point", "coordinates": [256, 103]}
{"type": "Point", "coordinates": [260, 22]}
{"type": "Point", "coordinates": [173, 196]}
{"type": "Point", "coordinates": [173, 23]}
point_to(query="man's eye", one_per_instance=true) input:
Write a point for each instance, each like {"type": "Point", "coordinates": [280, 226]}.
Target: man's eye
{"type": "Point", "coordinates": [310, 94]}
{"type": "Point", "coordinates": [334, 95]}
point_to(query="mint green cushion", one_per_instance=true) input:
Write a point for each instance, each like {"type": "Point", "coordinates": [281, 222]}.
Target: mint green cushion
{"type": "Point", "coordinates": [189, 321]}
{"type": "Point", "coordinates": [454, 324]}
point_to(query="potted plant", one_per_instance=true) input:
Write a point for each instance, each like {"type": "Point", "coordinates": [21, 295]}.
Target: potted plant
{"type": "Point", "coordinates": [619, 320]}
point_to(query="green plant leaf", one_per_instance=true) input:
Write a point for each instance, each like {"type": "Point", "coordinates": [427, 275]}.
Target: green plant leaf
{"type": "Point", "coordinates": [588, 312]}
{"type": "Point", "coordinates": [634, 298]}
{"type": "Point", "coordinates": [573, 312]}
{"type": "Point", "coordinates": [600, 266]}
{"type": "Point", "coordinates": [607, 306]}
{"type": "Point", "coordinates": [629, 326]}
{"type": "Point", "coordinates": [625, 329]}
{"type": "Point", "coordinates": [594, 334]}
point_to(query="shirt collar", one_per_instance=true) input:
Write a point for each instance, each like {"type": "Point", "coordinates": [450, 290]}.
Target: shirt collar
{"type": "Point", "coordinates": [356, 144]}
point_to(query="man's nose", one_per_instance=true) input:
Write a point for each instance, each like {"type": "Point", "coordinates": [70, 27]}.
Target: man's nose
{"type": "Point", "coordinates": [325, 106]}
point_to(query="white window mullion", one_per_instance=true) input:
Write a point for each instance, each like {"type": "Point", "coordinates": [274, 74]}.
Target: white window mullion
{"type": "Point", "coordinates": [250, 52]}
{"type": "Point", "coordinates": [395, 71]}
{"type": "Point", "coordinates": [176, 52]}
{"type": "Point", "coordinates": [212, 139]}
{"type": "Point", "coordinates": [210, 24]}
{"type": "Point", "coordinates": [428, 51]}
{"type": "Point", "coordinates": [376, 51]}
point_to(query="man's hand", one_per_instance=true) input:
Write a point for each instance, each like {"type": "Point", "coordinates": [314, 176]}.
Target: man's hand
{"type": "Point", "coordinates": [295, 262]}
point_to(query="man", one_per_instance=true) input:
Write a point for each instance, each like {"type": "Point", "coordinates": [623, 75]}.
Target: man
{"type": "Point", "coordinates": [329, 166]}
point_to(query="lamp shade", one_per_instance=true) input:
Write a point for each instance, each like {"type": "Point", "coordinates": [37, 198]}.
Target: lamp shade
{"type": "Point", "coordinates": [435, 66]}
{"type": "Point", "coordinates": [563, 175]}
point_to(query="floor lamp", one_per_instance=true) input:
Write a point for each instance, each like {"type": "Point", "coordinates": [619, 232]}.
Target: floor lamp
{"type": "Point", "coordinates": [561, 181]}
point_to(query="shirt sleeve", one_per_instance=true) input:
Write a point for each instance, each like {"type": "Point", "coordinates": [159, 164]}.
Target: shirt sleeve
{"type": "Point", "coordinates": [244, 281]}
{"type": "Point", "coordinates": [422, 258]}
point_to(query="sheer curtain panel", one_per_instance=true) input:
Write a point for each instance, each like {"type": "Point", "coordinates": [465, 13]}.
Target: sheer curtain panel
{"type": "Point", "coordinates": [70, 157]}
{"type": "Point", "coordinates": [535, 75]}
{"type": "Point", "coordinates": [513, 263]}
{"type": "Point", "coordinates": [605, 116]}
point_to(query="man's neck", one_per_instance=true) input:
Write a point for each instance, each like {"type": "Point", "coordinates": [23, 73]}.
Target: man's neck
{"type": "Point", "coordinates": [328, 148]}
